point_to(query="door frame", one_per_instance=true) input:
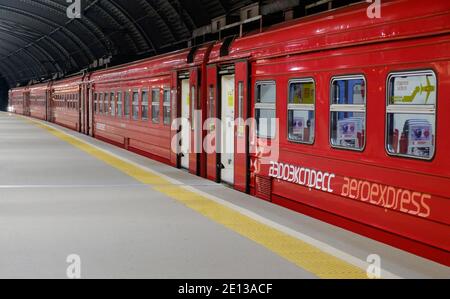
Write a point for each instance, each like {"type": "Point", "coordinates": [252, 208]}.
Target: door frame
{"type": "Point", "coordinates": [224, 134]}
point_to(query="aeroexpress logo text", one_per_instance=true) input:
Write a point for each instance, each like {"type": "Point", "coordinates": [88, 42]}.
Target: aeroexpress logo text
{"type": "Point", "coordinates": [387, 197]}
{"type": "Point", "coordinates": [303, 176]}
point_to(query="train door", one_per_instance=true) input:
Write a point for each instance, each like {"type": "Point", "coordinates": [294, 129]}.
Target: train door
{"type": "Point", "coordinates": [175, 114]}
{"type": "Point", "coordinates": [51, 106]}
{"type": "Point", "coordinates": [91, 110]}
{"type": "Point", "coordinates": [227, 100]}
{"type": "Point", "coordinates": [48, 99]}
{"type": "Point", "coordinates": [80, 109]}
{"type": "Point", "coordinates": [196, 153]}
{"type": "Point", "coordinates": [212, 126]}
{"type": "Point", "coordinates": [185, 128]}
{"type": "Point", "coordinates": [241, 157]}
{"type": "Point", "coordinates": [26, 104]}
{"type": "Point", "coordinates": [83, 109]}
{"type": "Point", "coordinates": [227, 132]}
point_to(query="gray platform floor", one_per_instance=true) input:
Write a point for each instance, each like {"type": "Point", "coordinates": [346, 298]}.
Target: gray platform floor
{"type": "Point", "coordinates": [56, 200]}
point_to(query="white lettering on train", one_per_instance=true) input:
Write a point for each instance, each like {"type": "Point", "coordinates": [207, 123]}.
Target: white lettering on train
{"type": "Point", "coordinates": [311, 178]}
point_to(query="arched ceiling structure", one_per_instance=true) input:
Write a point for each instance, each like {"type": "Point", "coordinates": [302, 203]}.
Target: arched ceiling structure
{"type": "Point", "coordinates": [38, 40]}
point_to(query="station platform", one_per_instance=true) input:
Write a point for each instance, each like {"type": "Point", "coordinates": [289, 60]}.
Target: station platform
{"type": "Point", "coordinates": [126, 216]}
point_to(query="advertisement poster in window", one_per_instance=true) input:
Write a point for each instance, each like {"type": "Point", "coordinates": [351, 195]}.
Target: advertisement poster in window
{"type": "Point", "coordinates": [348, 130]}
{"type": "Point", "coordinates": [302, 93]}
{"type": "Point", "coordinates": [420, 138]}
{"type": "Point", "coordinates": [298, 127]}
{"type": "Point", "coordinates": [416, 90]}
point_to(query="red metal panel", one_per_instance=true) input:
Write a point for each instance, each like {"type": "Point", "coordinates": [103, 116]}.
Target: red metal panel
{"type": "Point", "coordinates": [144, 69]}
{"type": "Point", "coordinates": [241, 134]}
{"type": "Point", "coordinates": [348, 26]}
{"type": "Point", "coordinates": [212, 126]}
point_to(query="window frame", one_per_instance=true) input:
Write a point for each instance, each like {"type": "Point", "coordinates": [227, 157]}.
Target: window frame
{"type": "Point", "coordinates": [95, 95]}
{"type": "Point", "coordinates": [158, 103]}
{"type": "Point", "coordinates": [416, 110]}
{"type": "Point", "coordinates": [145, 90]}
{"type": "Point", "coordinates": [119, 92]}
{"type": "Point", "coordinates": [265, 106]}
{"type": "Point", "coordinates": [129, 93]}
{"type": "Point", "coordinates": [100, 101]}
{"type": "Point", "coordinates": [165, 104]}
{"type": "Point", "coordinates": [348, 108]}
{"type": "Point", "coordinates": [193, 104]}
{"type": "Point", "coordinates": [113, 103]}
{"type": "Point", "coordinates": [106, 103]}
{"type": "Point", "coordinates": [288, 105]}
{"type": "Point", "coordinates": [132, 93]}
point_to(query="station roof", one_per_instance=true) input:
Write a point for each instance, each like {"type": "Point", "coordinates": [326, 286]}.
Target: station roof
{"type": "Point", "coordinates": [39, 40]}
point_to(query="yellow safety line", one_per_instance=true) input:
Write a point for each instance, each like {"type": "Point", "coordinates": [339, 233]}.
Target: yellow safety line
{"type": "Point", "coordinates": [298, 252]}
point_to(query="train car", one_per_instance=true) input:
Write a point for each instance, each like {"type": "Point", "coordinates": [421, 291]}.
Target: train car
{"type": "Point", "coordinates": [350, 120]}
{"type": "Point", "coordinates": [134, 106]}
{"type": "Point", "coordinates": [16, 101]}
{"type": "Point", "coordinates": [38, 100]}
{"type": "Point", "coordinates": [65, 100]}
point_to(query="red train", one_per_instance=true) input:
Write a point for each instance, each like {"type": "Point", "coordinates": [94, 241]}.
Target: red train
{"type": "Point", "coordinates": [350, 117]}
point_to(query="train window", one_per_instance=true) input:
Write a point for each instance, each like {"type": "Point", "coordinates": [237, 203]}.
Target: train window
{"type": "Point", "coordinates": [301, 111]}
{"type": "Point", "coordinates": [112, 104]}
{"type": "Point", "coordinates": [265, 109]}
{"type": "Point", "coordinates": [100, 102]}
{"type": "Point", "coordinates": [135, 106]}
{"type": "Point", "coordinates": [119, 104]}
{"type": "Point", "coordinates": [240, 114]}
{"type": "Point", "coordinates": [411, 114]}
{"type": "Point", "coordinates": [106, 104]}
{"type": "Point", "coordinates": [211, 109]}
{"type": "Point", "coordinates": [348, 112]}
{"type": "Point", "coordinates": [96, 105]}
{"type": "Point", "coordinates": [193, 107]}
{"type": "Point", "coordinates": [166, 104]}
{"type": "Point", "coordinates": [126, 104]}
{"type": "Point", "coordinates": [211, 106]}
{"type": "Point", "coordinates": [155, 105]}
{"type": "Point", "coordinates": [144, 114]}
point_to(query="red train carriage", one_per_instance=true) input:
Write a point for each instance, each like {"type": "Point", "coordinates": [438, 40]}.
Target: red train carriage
{"type": "Point", "coordinates": [134, 105]}
{"type": "Point", "coordinates": [16, 101]}
{"type": "Point", "coordinates": [37, 95]}
{"type": "Point", "coordinates": [65, 100]}
{"type": "Point", "coordinates": [362, 138]}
